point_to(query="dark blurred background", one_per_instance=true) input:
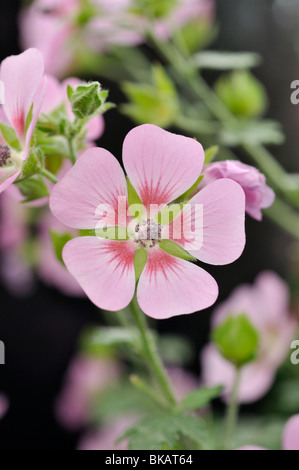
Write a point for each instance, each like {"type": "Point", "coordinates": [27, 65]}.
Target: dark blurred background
{"type": "Point", "coordinates": [41, 332]}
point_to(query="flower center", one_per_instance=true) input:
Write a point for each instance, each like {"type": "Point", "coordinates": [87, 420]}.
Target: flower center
{"type": "Point", "coordinates": [148, 233]}
{"type": "Point", "coordinates": [4, 154]}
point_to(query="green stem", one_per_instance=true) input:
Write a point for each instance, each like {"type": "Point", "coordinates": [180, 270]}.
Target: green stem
{"type": "Point", "coordinates": [284, 216]}
{"type": "Point", "coordinates": [148, 391]}
{"type": "Point", "coordinates": [47, 174]}
{"type": "Point", "coordinates": [191, 125]}
{"type": "Point", "coordinates": [151, 354]}
{"type": "Point", "coordinates": [72, 150]}
{"type": "Point", "coordinates": [232, 411]}
{"type": "Point", "coordinates": [187, 73]}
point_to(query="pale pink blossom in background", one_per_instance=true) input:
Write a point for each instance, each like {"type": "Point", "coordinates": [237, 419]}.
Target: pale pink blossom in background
{"type": "Point", "coordinates": [106, 437]}
{"type": "Point", "coordinates": [4, 405]}
{"type": "Point", "coordinates": [85, 379]}
{"type": "Point", "coordinates": [52, 26]}
{"type": "Point", "coordinates": [266, 303]}
{"type": "Point", "coordinates": [258, 194]}
{"type": "Point", "coordinates": [15, 270]}
{"type": "Point", "coordinates": [161, 166]}
{"type": "Point", "coordinates": [51, 271]}
{"type": "Point", "coordinates": [24, 85]}
{"type": "Point", "coordinates": [182, 13]}
{"type": "Point", "coordinates": [290, 436]}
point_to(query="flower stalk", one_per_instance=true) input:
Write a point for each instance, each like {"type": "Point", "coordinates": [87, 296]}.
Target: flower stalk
{"type": "Point", "coordinates": [151, 354]}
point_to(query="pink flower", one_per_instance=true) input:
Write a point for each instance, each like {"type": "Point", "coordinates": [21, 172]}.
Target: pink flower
{"type": "Point", "coordinates": [15, 270]}
{"type": "Point", "coordinates": [290, 436]}
{"type": "Point", "coordinates": [266, 303]}
{"type": "Point", "coordinates": [182, 13]}
{"type": "Point", "coordinates": [106, 438]}
{"type": "Point", "coordinates": [85, 378]}
{"type": "Point", "coordinates": [55, 28]}
{"type": "Point", "coordinates": [258, 194]}
{"type": "Point", "coordinates": [24, 85]}
{"type": "Point", "coordinates": [4, 405]}
{"type": "Point", "coordinates": [161, 166]}
{"type": "Point", "coordinates": [56, 96]}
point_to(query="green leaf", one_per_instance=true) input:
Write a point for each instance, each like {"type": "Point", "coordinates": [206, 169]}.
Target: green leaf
{"type": "Point", "coordinates": [155, 103]}
{"type": "Point", "coordinates": [159, 431]}
{"type": "Point", "coordinates": [211, 153]}
{"type": "Point", "coordinates": [196, 34]}
{"type": "Point", "coordinates": [10, 136]}
{"type": "Point", "coordinates": [218, 60]}
{"type": "Point", "coordinates": [70, 92]}
{"type": "Point", "coordinates": [200, 398]}
{"type": "Point", "coordinates": [242, 93]}
{"type": "Point", "coordinates": [33, 188]}
{"type": "Point", "coordinates": [140, 260]}
{"type": "Point", "coordinates": [174, 249]}
{"type": "Point", "coordinates": [253, 133]}
{"type": "Point", "coordinates": [237, 339]}
{"type": "Point", "coordinates": [59, 240]}
{"type": "Point", "coordinates": [97, 339]}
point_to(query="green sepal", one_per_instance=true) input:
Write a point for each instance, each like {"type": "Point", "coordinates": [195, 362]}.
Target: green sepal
{"type": "Point", "coordinates": [176, 250]}
{"type": "Point", "coordinates": [59, 240]}
{"type": "Point", "coordinates": [140, 260]}
{"type": "Point", "coordinates": [10, 136]}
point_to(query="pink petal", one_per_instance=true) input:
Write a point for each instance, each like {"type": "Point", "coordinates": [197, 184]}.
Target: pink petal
{"type": "Point", "coordinates": [96, 178]}
{"type": "Point", "coordinates": [160, 165]}
{"type": "Point", "coordinates": [104, 269]}
{"type": "Point", "coordinates": [8, 181]}
{"type": "Point", "coordinates": [4, 405]}
{"type": "Point", "coordinates": [21, 76]}
{"type": "Point", "coordinates": [54, 96]}
{"type": "Point", "coordinates": [37, 104]}
{"type": "Point", "coordinates": [290, 437]}
{"type": "Point", "coordinates": [171, 286]}
{"type": "Point", "coordinates": [222, 224]}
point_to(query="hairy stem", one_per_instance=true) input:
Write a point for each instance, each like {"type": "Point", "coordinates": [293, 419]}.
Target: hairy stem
{"type": "Point", "coordinates": [232, 411]}
{"type": "Point", "coordinates": [151, 354]}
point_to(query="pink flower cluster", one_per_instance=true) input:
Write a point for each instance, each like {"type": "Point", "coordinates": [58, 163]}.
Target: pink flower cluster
{"type": "Point", "coordinates": [64, 29]}
{"type": "Point", "coordinates": [266, 304]}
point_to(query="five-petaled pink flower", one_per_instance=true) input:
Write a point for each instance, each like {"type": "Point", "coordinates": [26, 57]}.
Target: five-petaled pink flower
{"type": "Point", "coordinates": [258, 194]}
{"type": "Point", "coordinates": [161, 167]}
{"type": "Point", "coordinates": [24, 87]}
